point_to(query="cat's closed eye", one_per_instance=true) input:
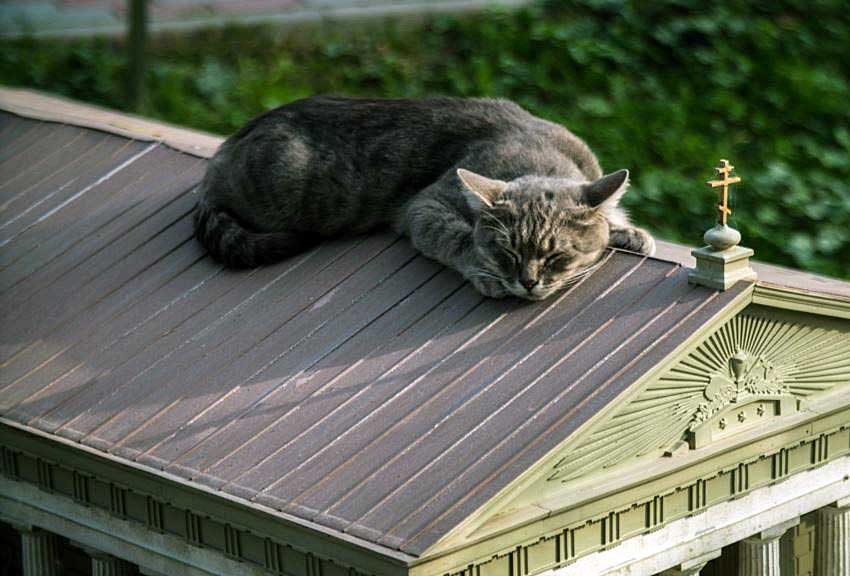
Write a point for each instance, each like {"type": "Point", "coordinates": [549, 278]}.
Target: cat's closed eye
{"type": "Point", "coordinates": [558, 260]}
{"type": "Point", "coordinates": [506, 258]}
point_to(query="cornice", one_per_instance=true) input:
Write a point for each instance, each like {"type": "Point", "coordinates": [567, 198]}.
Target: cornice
{"type": "Point", "coordinates": [801, 301]}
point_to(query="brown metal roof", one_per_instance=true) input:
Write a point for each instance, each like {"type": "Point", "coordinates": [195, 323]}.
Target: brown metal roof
{"type": "Point", "coordinates": [358, 386]}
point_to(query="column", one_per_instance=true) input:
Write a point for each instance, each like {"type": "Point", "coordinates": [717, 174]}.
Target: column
{"type": "Point", "coordinates": [106, 565]}
{"type": "Point", "coordinates": [38, 551]}
{"type": "Point", "coordinates": [692, 566]}
{"type": "Point", "coordinates": [759, 555]}
{"type": "Point", "coordinates": [832, 547]}
{"type": "Point", "coordinates": [103, 564]}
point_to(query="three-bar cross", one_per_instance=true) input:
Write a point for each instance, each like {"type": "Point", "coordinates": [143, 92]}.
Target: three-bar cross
{"type": "Point", "coordinates": [724, 169]}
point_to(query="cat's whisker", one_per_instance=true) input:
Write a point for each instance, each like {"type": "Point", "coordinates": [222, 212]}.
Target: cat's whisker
{"type": "Point", "coordinates": [503, 232]}
{"type": "Point", "coordinates": [481, 274]}
{"type": "Point", "coordinates": [498, 224]}
{"type": "Point", "coordinates": [572, 280]}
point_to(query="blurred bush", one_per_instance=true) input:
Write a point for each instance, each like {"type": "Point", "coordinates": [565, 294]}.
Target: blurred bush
{"type": "Point", "coordinates": [664, 88]}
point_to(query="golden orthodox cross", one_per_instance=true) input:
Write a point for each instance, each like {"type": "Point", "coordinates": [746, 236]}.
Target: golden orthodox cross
{"type": "Point", "coordinates": [724, 169]}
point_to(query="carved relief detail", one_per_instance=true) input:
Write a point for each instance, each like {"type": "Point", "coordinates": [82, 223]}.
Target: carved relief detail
{"type": "Point", "coordinates": [752, 369]}
{"type": "Point", "coordinates": [744, 377]}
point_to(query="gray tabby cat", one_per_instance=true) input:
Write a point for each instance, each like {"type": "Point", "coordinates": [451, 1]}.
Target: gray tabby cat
{"type": "Point", "coordinates": [516, 204]}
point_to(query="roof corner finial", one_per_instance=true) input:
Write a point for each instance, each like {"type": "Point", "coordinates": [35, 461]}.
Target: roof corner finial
{"type": "Point", "coordinates": [722, 263]}
{"type": "Point", "coordinates": [722, 236]}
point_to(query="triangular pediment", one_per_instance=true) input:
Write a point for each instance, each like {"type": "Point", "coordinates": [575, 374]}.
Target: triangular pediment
{"type": "Point", "coordinates": [755, 368]}
{"type": "Point", "coordinates": [751, 371]}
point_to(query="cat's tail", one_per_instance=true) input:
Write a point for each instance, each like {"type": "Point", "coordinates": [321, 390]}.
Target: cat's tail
{"type": "Point", "coordinates": [237, 247]}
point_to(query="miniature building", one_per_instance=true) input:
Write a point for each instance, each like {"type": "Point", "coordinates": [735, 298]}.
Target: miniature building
{"type": "Point", "coordinates": [360, 410]}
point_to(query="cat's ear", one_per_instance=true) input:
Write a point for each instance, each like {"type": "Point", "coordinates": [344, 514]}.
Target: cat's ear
{"type": "Point", "coordinates": [478, 190]}
{"type": "Point", "coordinates": [607, 191]}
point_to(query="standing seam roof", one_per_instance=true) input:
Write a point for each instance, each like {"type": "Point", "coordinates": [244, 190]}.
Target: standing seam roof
{"type": "Point", "coordinates": [359, 385]}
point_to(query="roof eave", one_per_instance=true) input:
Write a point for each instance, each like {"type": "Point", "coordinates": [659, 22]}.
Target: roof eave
{"type": "Point", "coordinates": [48, 107]}
{"type": "Point", "coordinates": [344, 548]}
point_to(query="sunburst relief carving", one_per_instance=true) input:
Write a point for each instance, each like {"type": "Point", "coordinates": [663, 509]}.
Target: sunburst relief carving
{"type": "Point", "coordinates": [751, 357]}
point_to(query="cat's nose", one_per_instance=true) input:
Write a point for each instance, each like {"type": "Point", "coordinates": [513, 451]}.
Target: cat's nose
{"type": "Point", "coordinates": [528, 284]}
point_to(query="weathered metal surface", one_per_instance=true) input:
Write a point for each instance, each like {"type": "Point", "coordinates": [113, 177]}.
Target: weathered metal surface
{"type": "Point", "coordinates": [358, 385]}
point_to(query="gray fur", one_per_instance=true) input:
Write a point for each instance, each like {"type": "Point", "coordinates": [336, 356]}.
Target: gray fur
{"type": "Point", "coordinates": [516, 204]}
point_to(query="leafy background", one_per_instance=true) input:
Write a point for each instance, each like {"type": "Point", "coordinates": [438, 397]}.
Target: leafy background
{"type": "Point", "coordinates": [664, 88]}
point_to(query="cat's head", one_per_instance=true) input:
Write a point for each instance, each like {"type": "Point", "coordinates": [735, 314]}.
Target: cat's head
{"type": "Point", "coordinates": [536, 234]}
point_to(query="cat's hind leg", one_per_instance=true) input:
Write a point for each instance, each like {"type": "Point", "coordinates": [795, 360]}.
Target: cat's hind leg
{"type": "Point", "coordinates": [231, 243]}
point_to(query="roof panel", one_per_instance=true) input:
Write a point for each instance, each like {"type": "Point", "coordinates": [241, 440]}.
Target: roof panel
{"type": "Point", "coordinates": [339, 393]}
{"type": "Point", "coordinates": [482, 479]}
{"type": "Point", "coordinates": [421, 441]}
{"type": "Point", "coordinates": [36, 184]}
{"type": "Point", "coordinates": [358, 385]}
{"type": "Point", "coordinates": [562, 371]}
{"type": "Point", "coordinates": [242, 349]}
{"type": "Point", "coordinates": [46, 141]}
{"type": "Point", "coordinates": [239, 331]}
{"type": "Point", "coordinates": [45, 207]}
{"type": "Point", "coordinates": [286, 352]}
{"type": "Point", "coordinates": [16, 135]}
{"type": "Point", "coordinates": [321, 391]}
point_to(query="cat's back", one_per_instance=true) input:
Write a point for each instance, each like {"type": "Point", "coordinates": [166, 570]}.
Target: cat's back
{"type": "Point", "coordinates": [357, 118]}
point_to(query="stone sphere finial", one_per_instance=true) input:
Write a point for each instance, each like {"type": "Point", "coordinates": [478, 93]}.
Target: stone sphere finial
{"type": "Point", "coordinates": [722, 237]}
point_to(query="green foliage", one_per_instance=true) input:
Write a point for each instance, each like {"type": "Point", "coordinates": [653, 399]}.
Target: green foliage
{"type": "Point", "coordinates": [663, 88]}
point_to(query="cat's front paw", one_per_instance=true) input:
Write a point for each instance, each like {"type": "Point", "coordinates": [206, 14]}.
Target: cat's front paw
{"type": "Point", "coordinates": [633, 239]}
{"type": "Point", "coordinates": [488, 287]}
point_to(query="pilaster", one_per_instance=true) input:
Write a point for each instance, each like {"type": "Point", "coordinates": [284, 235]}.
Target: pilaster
{"type": "Point", "coordinates": [833, 539]}
{"type": "Point", "coordinates": [759, 555]}
{"type": "Point", "coordinates": [38, 552]}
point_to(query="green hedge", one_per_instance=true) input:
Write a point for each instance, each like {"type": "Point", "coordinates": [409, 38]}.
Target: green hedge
{"type": "Point", "coordinates": [664, 88]}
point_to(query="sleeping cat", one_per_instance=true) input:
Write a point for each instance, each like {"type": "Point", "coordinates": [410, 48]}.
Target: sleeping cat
{"type": "Point", "coordinates": [516, 204]}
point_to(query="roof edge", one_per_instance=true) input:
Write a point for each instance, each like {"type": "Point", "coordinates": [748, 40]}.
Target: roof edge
{"type": "Point", "coordinates": [40, 106]}
{"type": "Point", "coordinates": [344, 547]}
{"type": "Point", "coordinates": [788, 298]}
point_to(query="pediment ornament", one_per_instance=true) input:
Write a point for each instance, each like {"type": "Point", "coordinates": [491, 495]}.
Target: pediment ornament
{"type": "Point", "coordinates": [746, 377]}
{"type": "Point", "coordinates": [752, 369]}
